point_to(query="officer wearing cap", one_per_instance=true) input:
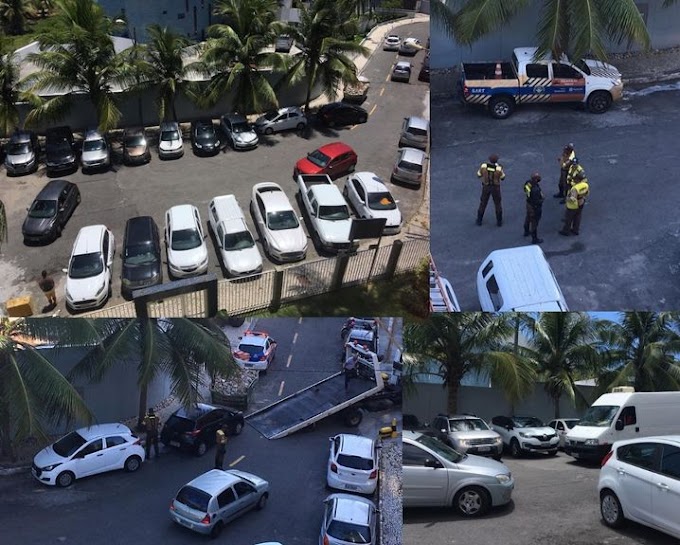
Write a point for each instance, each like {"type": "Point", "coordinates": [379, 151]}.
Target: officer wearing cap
{"type": "Point", "coordinates": [568, 155]}
{"type": "Point", "coordinates": [491, 174]}
{"type": "Point", "coordinates": [535, 199]}
{"type": "Point", "coordinates": [576, 199]}
{"type": "Point", "coordinates": [151, 424]}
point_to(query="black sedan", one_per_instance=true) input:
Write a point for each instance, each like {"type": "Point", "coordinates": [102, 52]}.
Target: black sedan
{"type": "Point", "coordinates": [141, 255]}
{"type": "Point", "coordinates": [205, 139]}
{"type": "Point", "coordinates": [424, 74]}
{"type": "Point", "coordinates": [341, 114]}
{"type": "Point", "coordinates": [50, 211]}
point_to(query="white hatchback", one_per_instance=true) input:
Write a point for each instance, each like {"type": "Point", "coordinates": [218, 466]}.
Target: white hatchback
{"type": "Point", "coordinates": [88, 451]}
{"type": "Point", "coordinates": [170, 143]}
{"type": "Point", "coordinates": [185, 242]}
{"type": "Point", "coordinates": [370, 198]}
{"type": "Point", "coordinates": [353, 464]}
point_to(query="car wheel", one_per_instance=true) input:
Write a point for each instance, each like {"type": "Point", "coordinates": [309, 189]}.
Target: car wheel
{"type": "Point", "coordinates": [301, 126]}
{"type": "Point", "coordinates": [363, 119]}
{"type": "Point", "coordinates": [65, 479]}
{"type": "Point", "coordinates": [552, 453]}
{"type": "Point", "coordinates": [610, 508]}
{"type": "Point", "coordinates": [216, 530]}
{"type": "Point", "coordinates": [515, 449]}
{"type": "Point", "coordinates": [331, 123]}
{"type": "Point", "coordinates": [265, 246]}
{"type": "Point", "coordinates": [238, 428]}
{"type": "Point", "coordinates": [353, 418]}
{"type": "Point", "coordinates": [268, 131]}
{"type": "Point", "coordinates": [599, 102]}
{"type": "Point", "coordinates": [262, 501]}
{"type": "Point", "coordinates": [472, 501]}
{"type": "Point", "coordinates": [132, 464]}
{"type": "Point", "coordinates": [345, 193]}
{"type": "Point", "coordinates": [78, 198]}
{"type": "Point", "coordinates": [352, 167]}
{"type": "Point", "coordinates": [57, 231]}
{"type": "Point", "coordinates": [201, 448]}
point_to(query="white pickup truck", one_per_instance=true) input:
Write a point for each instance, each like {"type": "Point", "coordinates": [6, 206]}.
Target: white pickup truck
{"type": "Point", "coordinates": [329, 216]}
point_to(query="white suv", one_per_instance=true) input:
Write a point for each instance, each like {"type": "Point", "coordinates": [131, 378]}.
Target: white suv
{"type": "Point", "coordinates": [88, 282]}
{"type": "Point", "coordinates": [353, 463]}
{"type": "Point", "coordinates": [185, 241]}
{"type": "Point", "coordinates": [522, 434]}
{"type": "Point", "coordinates": [170, 143]}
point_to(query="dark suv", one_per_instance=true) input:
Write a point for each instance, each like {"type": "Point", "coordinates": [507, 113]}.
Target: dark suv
{"type": "Point", "coordinates": [194, 429]}
{"type": "Point", "coordinates": [141, 255]}
{"type": "Point", "coordinates": [60, 150]}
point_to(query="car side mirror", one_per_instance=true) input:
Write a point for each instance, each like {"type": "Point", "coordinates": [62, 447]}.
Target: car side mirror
{"type": "Point", "coordinates": [429, 462]}
{"type": "Point", "coordinates": [61, 209]}
{"type": "Point", "coordinates": [65, 271]}
{"type": "Point", "coordinates": [443, 430]}
{"type": "Point", "coordinates": [619, 425]}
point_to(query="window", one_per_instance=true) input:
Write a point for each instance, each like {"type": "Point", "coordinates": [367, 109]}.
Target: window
{"type": "Point", "coordinates": [225, 498]}
{"type": "Point", "coordinates": [106, 243]}
{"type": "Point", "coordinates": [94, 446]}
{"type": "Point", "coordinates": [243, 489]}
{"type": "Point", "coordinates": [564, 71]}
{"type": "Point", "coordinates": [488, 267]}
{"type": "Point", "coordinates": [359, 189]}
{"type": "Point", "coordinates": [560, 426]}
{"type": "Point", "coordinates": [642, 455]}
{"type": "Point", "coordinates": [494, 293]}
{"type": "Point", "coordinates": [537, 70]}
{"type": "Point", "coordinates": [260, 205]}
{"type": "Point", "coordinates": [414, 456]}
{"type": "Point", "coordinates": [670, 461]}
{"type": "Point", "coordinates": [220, 234]}
{"type": "Point", "coordinates": [628, 416]}
{"type": "Point", "coordinates": [115, 441]}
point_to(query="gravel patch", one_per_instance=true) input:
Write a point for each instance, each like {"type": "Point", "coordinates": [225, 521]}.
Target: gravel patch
{"type": "Point", "coordinates": [390, 493]}
{"type": "Point", "coordinates": [236, 384]}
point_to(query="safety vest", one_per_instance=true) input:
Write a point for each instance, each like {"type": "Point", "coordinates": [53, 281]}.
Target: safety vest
{"type": "Point", "coordinates": [567, 159]}
{"type": "Point", "coordinates": [151, 423]}
{"type": "Point", "coordinates": [527, 189]}
{"type": "Point", "coordinates": [491, 173]}
{"type": "Point", "coordinates": [220, 438]}
{"type": "Point", "coordinates": [573, 171]}
{"type": "Point", "coordinates": [577, 195]}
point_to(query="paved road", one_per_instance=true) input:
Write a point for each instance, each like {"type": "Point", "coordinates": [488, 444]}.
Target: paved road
{"type": "Point", "coordinates": [626, 256]}
{"type": "Point", "coordinates": [113, 197]}
{"type": "Point", "coordinates": [554, 503]}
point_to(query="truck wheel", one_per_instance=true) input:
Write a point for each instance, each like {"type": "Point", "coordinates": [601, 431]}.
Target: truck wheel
{"type": "Point", "coordinates": [599, 102]}
{"type": "Point", "coordinates": [501, 107]}
{"type": "Point", "coordinates": [353, 417]}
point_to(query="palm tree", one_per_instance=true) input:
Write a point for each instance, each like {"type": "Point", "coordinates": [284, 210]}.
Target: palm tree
{"type": "Point", "coordinates": [13, 14]}
{"type": "Point", "coordinates": [324, 38]}
{"type": "Point", "coordinates": [185, 350]}
{"type": "Point", "coordinates": [42, 6]}
{"type": "Point", "coordinates": [3, 226]}
{"type": "Point", "coordinates": [10, 93]}
{"type": "Point", "coordinates": [78, 58]}
{"type": "Point", "coordinates": [235, 58]}
{"type": "Point", "coordinates": [32, 391]}
{"type": "Point", "coordinates": [640, 352]}
{"type": "Point", "coordinates": [457, 344]}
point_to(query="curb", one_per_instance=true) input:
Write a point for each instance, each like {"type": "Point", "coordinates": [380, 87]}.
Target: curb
{"type": "Point", "coordinates": [652, 79]}
{"type": "Point", "coordinates": [6, 472]}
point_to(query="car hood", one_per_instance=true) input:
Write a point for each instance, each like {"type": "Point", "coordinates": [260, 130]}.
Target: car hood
{"type": "Point", "coordinates": [335, 231]}
{"type": "Point", "coordinates": [47, 457]}
{"type": "Point", "coordinates": [37, 226]}
{"type": "Point", "coordinates": [96, 155]}
{"type": "Point", "coordinates": [135, 151]}
{"type": "Point", "coordinates": [136, 273]}
{"type": "Point", "coordinates": [305, 166]}
{"type": "Point", "coordinates": [259, 482]}
{"type": "Point", "coordinates": [188, 258]}
{"type": "Point", "coordinates": [586, 432]}
{"type": "Point", "coordinates": [539, 430]}
{"type": "Point", "coordinates": [249, 137]}
{"type": "Point", "coordinates": [244, 260]}
{"type": "Point", "coordinates": [169, 145]}
{"type": "Point", "coordinates": [288, 240]}
{"type": "Point", "coordinates": [476, 434]}
{"type": "Point", "coordinates": [602, 69]}
{"type": "Point", "coordinates": [81, 289]}
{"type": "Point", "coordinates": [59, 158]}
{"type": "Point", "coordinates": [393, 217]}
{"type": "Point", "coordinates": [19, 159]}
{"type": "Point", "coordinates": [483, 465]}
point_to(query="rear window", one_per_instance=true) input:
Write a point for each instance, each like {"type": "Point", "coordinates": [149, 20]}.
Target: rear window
{"type": "Point", "coordinates": [194, 498]}
{"type": "Point", "coordinates": [417, 131]}
{"type": "Point", "coordinates": [179, 424]}
{"type": "Point", "coordinates": [252, 349]}
{"type": "Point", "coordinates": [351, 533]}
{"type": "Point", "coordinates": [355, 462]}
{"type": "Point", "coordinates": [413, 167]}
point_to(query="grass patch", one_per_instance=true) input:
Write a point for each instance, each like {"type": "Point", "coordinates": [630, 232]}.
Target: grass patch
{"type": "Point", "coordinates": [34, 27]}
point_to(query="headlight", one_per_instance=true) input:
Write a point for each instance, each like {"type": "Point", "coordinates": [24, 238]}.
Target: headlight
{"type": "Point", "coordinates": [126, 281]}
{"type": "Point", "coordinates": [463, 443]}
{"type": "Point", "coordinates": [503, 478]}
{"type": "Point", "coordinates": [51, 467]}
{"type": "Point", "coordinates": [592, 442]}
{"type": "Point", "coordinates": [498, 440]}
{"type": "Point", "coordinates": [522, 434]}
{"type": "Point", "coordinates": [101, 290]}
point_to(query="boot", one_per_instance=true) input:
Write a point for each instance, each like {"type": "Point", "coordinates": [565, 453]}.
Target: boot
{"type": "Point", "coordinates": [499, 219]}
{"type": "Point", "coordinates": [479, 219]}
{"type": "Point", "coordinates": [535, 239]}
{"type": "Point", "coordinates": [526, 233]}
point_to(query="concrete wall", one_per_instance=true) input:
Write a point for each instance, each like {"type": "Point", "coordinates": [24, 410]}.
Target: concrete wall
{"type": "Point", "coordinates": [663, 25]}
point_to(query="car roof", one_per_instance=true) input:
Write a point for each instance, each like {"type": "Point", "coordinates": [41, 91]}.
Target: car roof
{"type": "Point", "coordinates": [169, 126]}
{"type": "Point", "coordinates": [93, 134]}
{"type": "Point", "coordinates": [403, 64]}
{"type": "Point", "coordinates": [88, 239]}
{"type": "Point", "coordinates": [328, 195]}
{"type": "Point", "coordinates": [352, 509]}
{"type": "Point", "coordinates": [412, 155]}
{"type": "Point", "coordinates": [100, 430]}
{"type": "Point", "coordinates": [335, 148]}
{"type": "Point", "coordinates": [139, 228]}
{"type": "Point", "coordinates": [669, 438]}
{"type": "Point", "coordinates": [418, 122]}
{"type": "Point", "coordinates": [371, 181]}
{"type": "Point", "coordinates": [274, 201]}
{"type": "Point", "coordinates": [52, 190]}
{"type": "Point", "coordinates": [356, 444]}
{"type": "Point", "coordinates": [214, 481]}
{"type": "Point", "coordinates": [288, 109]}
{"type": "Point", "coordinates": [182, 216]}
{"type": "Point", "coordinates": [21, 137]}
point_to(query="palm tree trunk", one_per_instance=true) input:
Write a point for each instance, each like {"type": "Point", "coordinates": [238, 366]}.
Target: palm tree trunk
{"type": "Point", "coordinates": [174, 110]}
{"type": "Point", "coordinates": [556, 405]}
{"type": "Point", "coordinates": [452, 396]}
{"type": "Point", "coordinates": [143, 391]}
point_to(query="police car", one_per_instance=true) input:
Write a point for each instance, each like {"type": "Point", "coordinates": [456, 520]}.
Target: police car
{"type": "Point", "coordinates": [256, 350]}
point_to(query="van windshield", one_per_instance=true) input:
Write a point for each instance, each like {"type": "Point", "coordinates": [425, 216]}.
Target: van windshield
{"type": "Point", "coordinates": [600, 416]}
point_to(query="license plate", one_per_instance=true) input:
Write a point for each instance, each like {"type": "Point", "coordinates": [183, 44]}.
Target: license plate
{"type": "Point", "coordinates": [249, 364]}
{"type": "Point", "coordinates": [351, 487]}
{"type": "Point", "coordinates": [174, 443]}
{"type": "Point", "coordinates": [484, 449]}
{"type": "Point", "coordinates": [184, 522]}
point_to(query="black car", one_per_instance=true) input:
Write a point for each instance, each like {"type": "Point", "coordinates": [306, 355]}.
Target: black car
{"type": "Point", "coordinates": [50, 211]}
{"type": "Point", "coordinates": [341, 114]}
{"type": "Point", "coordinates": [194, 429]}
{"type": "Point", "coordinates": [60, 150]}
{"type": "Point", "coordinates": [141, 255]}
{"type": "Point", "coordinates": [424, 74]}
{"type": "Point", "coordinates": [204, 137]}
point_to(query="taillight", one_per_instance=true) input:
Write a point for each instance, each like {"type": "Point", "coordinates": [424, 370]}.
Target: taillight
{"type": "Point", "coordinates": [193, 433]}
{"type": "Point", "coordinates": [334, 468]}
{"type": "Point", "coordinates": [466, 91]}
{"type": "Point", "coordinates": [206, 519]}
{"type": "Point", "coordinates": [325, 539]}
{"type": "Point", "coordinates": [172, 505]}
{"type": "Point", "coordinates": [373, 474]}
{"type": "Point", "coordinates": [606, 458]}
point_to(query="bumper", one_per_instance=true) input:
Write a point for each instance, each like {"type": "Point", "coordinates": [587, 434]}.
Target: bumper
{"type": "Point", "coordinates": [23, 168]}
{"type": "Point", "coordinates": [288, 257]}
{"type": "Point", "coordinates": [85, 304]}
{"type": "Point", "coordinates": [137, 159]}
{"type": "Point", "coordinates": [42, 237]}
{"type": "Point", "coordinates": [204, 529]}
{"type": "Point", "coordinates": [127, 289]}
{"type": "Point", "coordinates": [403, 79]}
{"type": "Point", "coordinates": [594, 453]}
{"type": "Point", "coordinates": [104, 163]}
{"type": "Point", "coordinates": [244, 147]}
{"type": "Point", "coordinates": [206, 151]}
{"type": "Point", "coordinates": [392, 230]}
{"type": "Point", "coordinates": [530, 446]}
{"type": "Point", "coordinates": [175, 154]}
{"type": "Point", "coordinates": [188, 273]}
{"type": "Point", "coordinates": [62, 167]}
{"type": "Point", "coordinates": [360, 488]}
{"type": "Point", "coordinates": [501, 493]}
{"type": "Point", "coordinates": [48, 478]}
{"type": "Point", "coordinates": [238, 274]}
{"type": "Point", "coordinates": [485, 450]}
{"type": "Point", "coordinates": [254, 365]}
{"type": "Point", "coordinates": [617, 92]}
{"type": "Point", "coordinates": [407, 179]}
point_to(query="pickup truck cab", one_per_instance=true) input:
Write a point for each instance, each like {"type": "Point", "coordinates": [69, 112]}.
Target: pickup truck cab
{"type": "Point", "coordinates": [501, 86]}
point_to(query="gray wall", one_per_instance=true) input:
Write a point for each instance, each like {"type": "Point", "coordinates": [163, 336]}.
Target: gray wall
{"type": "Point", "coordinates": [663, 25]}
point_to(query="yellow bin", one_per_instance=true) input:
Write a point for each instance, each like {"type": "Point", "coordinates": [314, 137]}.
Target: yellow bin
{"type": "Point", "coordinates": [20, 307]}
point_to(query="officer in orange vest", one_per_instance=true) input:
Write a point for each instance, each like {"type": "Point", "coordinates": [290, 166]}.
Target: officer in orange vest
{"type": "Point", "coordinates": [568, 155]}
{"type": "Point", "coordinates": [491, 174]}
{"type": "Point", "coordinates": [576, 199]}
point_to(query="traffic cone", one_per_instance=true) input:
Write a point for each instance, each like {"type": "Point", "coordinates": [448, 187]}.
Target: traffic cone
{"type": "Point", "coordinates": [499, 72]}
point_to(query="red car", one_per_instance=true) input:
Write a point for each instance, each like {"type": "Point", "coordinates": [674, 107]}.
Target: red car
{"type": "Point", "coordinates": [334, 159]}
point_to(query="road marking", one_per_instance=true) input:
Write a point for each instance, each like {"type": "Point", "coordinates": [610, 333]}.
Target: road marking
{"type": "Point", "coordinates": [295, 338]}
{"type": "Point", "coordinates": [290, 357]}
{"type": "Point", "coordinates": [300, 320]}
{"type": "Point", "coordinates": [373, 109]}
{"type": "Point", "coordinates": [388, 77]}
{"type": "Point", "coordinates": [382, 91]}
{"type": "Point", "coordinates": [236, 461]}
{"type": "Point", "coordinates": [281, 387]}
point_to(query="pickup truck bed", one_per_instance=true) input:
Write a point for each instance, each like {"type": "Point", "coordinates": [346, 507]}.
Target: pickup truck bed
{"type": "Point", "coordinates": [487, 70]}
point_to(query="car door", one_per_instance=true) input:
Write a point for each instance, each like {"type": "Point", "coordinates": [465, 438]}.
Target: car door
{"type": "Point", "coordinates": [635, 466]}
{"type": "Point", "coordinates": [209, 423]}
{"type": "Point", "coordinates": [261, 215]}
{"type": "Point", "coordinates": [246, 497]}
{"type": "Point", "coordinates": [226, 505]}
{"type": "Point", "coordinates": [567, 85]}
{"type": "Point", "coordinates": [423, 485]}
{"type": "Point", "coordinates": [115, 452]}
{"type": "Point", "coordinates": [666, 491]}
{"type": "Point", "coordinates": [361, 202]}
{"type": "Point", "coordinates": [89, 459]}
{"type": "Point", "coordinates": [293, 120]}
{"type": "Point", "coordinates": [63, 206]}
{"type": "Point", "coordinates": [441, 428]}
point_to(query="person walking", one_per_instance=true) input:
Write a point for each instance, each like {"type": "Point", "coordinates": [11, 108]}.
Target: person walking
{"type": "Point", "coordinates": [46, 284]}
{"type": "Point", "coordinates": [491, 174]}
{"type": "Point", "coordinates": [576, 199]}
{"type": "Point", "coordinates": [568, 155]}
{"type": "Point", "coordinates": [350, 368]}
{"type": "Point", "coordinates": [535, 199]}
{"type": "Point", "coordinates": [151, 424]}
{"type": "Point", "coordinates": [221, 442]}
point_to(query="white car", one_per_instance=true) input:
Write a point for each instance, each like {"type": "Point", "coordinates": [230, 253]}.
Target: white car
{"type": "Point", "coordinates": [88, 280]}
{"type": "Point", "coordinates": [185, 242]}
{"type": "Point", "coordinates": [370, 198]}
{"type": "Point", "coordinates": [283, 119]}
{"type": "Point", "coordinates": [410, 46]}
{"type": "Point", "coordinates": [353, 464]}
{"type": "Point", "coordinates": [348, 519]}
{"type": "Point", "coordinates": [280, 229]}
{"type": "Point", "coordinates": [170, 143]}
{"type": "Point", "coordinates": [88, 451]}
{"type": "Point", "coordinates": [522, 434]}
{"type": "Point", "coordinates": [391, 43]}
{"type": "Point", "coordinates": [640, 481]}
{"type": "Point", "coordinates": [562, 427]}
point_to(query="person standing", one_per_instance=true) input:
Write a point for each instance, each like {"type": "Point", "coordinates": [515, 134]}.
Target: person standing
{"type": "Point", "coordinates": [568, 155]}
{"type": "Point", "coordinates": [491, 174]}
{"type": "Point", "coordinates": [576, 200]}
{"type": "Point", "coordinates": [221, 442]}
{"type": "Point", "coordinates": [535, 199]}
{"type": "Point", "coordinates": [46, 284]}
{"type": "Point", "coordinates": [350, 368]}
{"type": "Point", "coordinates": [575, 168]}
{"type": "Point", "coordinates": [150, 424]}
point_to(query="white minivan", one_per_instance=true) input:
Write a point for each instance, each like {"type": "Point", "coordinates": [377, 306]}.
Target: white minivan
{"type": "Point", "coordinates": [623, 414]}
{"type": "Point", "coordinates": [518, 279]}
{"type": "Point", "coordinates": [234, 240]}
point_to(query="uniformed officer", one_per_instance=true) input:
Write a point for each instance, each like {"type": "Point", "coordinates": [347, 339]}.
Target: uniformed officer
{"type": "Point", "coordinates": [150, 424]}
{"type": "Point", "coordinates": [568, 155]}
{"type": "Point", "coordinates": [491, 174]}
{"type": "Point", "coordinates": [535, 199]}
{"type": "Point", "coordinates": [574, 168]}
{"type": "Point", "coordinates": [576, 199]}
{"type": "Point", "coordinates": [221, 442]}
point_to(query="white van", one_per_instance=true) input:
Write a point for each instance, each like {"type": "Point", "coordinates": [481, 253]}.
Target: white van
{"type": "Point", "coordinates": [235, 242]}
{"type": "Point", "coordinates": [518, 279]}
{"type": "Point", "coordinates": [623, 414]}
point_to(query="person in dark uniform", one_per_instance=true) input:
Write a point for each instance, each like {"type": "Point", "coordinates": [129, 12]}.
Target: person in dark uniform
{"type": "Point", "coordinates": [491, 174]}
{"type": "Point", "coordinates": [568, 155]}
{"type": "Point", "coordinates": [151, 424]}
{"type": "Point", "coordinates": [535, 199]}
{"type": "Point", "coordinates": [46, 284]}
{"type": "Point", "coordinates": [221, 442]}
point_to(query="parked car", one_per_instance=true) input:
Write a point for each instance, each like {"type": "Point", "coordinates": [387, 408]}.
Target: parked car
{"type": "Point", "coordinates": [135, 147]}
{"type": "Point", "coordinates": [412, 423]}
{"type": "Point", "coordinates": [88, 280]}
{"type": "Point", "coordinates": [435, 475]}
{"type": "Point", "coordinates": [217, 497]}
{"type": "Point", "coordinates": [562, 427]}
{"type": "Point", "coordinates": [401, 72]}
{"type": "Point", "coordinates": [468, 434]}
{"type": "Point", "coordinates": [22, 153]}
{"type": "Point", "coordinates": [170, 143]}
{"type": "Point", "coordinates": [141, 255]}
{"type": "Point", "coordinates": [370, 198]}
{"type": "Point", "coordinates": [185, 242]}
{"type": "Point", "coordinates": [523, 434]}
{"type": "Point", "coordinates": [353, 463]}
{"type": "Point", "coordinates": [348, 519]}
{"type": "Point", "coordinates": [88, 451]}
{"type": "Point", "coordinates": [204, 137]}
{"type": "Point", "coordinates": [281, 232]}
{"type": "Point", "coordinates": [391, 43]}
{"type": "Point", "coordinates": [410, 46]}
{"type": "Point", "coordinates": [194, 429]}
{"type": "Point", "coordinates": [96, 152]}
{"type": "Point", "coordinates": [424, 74]}
{"type": "Point", "coordinates": [283, 119]}
{"type": "Point", "coordinates": [640, 481]}
{"type": "Point", "coordinates": [415, 132]}
{"type": "Point", "coordinates": [256, 350]}
{"type": "Point", "coordinates": [240, 134]}
{"type": "Point", "coordinates": [283, 44]}
{"type": "Point", "coordinates": [334, 159]}
{"type": "Point", "coordinates": [50, 211]}
{"type": "Point", "coordinates": [410, 167]}
{"type": "Point", "coordinates": [341, 114]}
{"type": "Point", "coordinates": [60, 150]}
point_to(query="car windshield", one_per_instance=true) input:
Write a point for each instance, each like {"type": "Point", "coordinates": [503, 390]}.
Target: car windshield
{"type": "Point", "coordinates": [93, 145]}
{"type": "Point", "coordinates": [140, 254]}
{"type": "Point", "coordinates": [571, 423]}
{"type": "Point", "coordinates": [238, 241]}
{"type": "Point", "coordinates": [194, 498]}
{"type": "Point", "coordinates": [241, 127]}
{"type": "Point", "coordinates": [18, 148]}
{"type": "Point", "coordinates": [381, 201]}
{"type": "Point", "coordinates": [135, 140]}
{"type": "Point", "coordinates": [333, 213]}
{"type": "Point", "coordinates": [439, 448]}
{"type": "Point", "coordinates": [527, 422]}
{"type": "Point", "coordinates": [355, 462]}
{"type": "Point", "coordinates": [62, 147]}
{"type": "Point", "coordinates": [43, 209]}
{"type": "Point", "coordinates": [468, 424]}
{"type": "Point", "coordinates": [582, 66]}
{"type": "Point", "coordinates": [278, 221]}
{"type": "Point", "coordinates": [413, 167]}
{"type": "Point", "coordinates": [205, 132]}
{"type": "Point", "coordinates": [318, 158]}
{"type": "Point", "coordinates": [600, 416]}
{"type": "Point", "coordinates": [252, 349]}
{"type": "Point", "coordinates": [417, 131]}
{"type": "Point", "coordinates": [186, 239]}
{"type": "Point", "coordinates": [167, 136]}
{"type": "Point", "coordinates": [86, 265]}
{"type": "Point", "coordinates": [69, 444]}
{"type": "Point", "coordinates": [270, 116]}
{"type": "Point", "coordinates": [349, 532]}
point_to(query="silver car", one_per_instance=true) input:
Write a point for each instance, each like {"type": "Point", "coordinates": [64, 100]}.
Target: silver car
{"type": "Point", "coordinates": [207, 503]}
{"type": "Point", "coordinates": [468, 434]}
{"type": "Point", "coordinates": [435, 475]}
{"type": "Point", "coordinates": [401, 72]}
{"type": "Point", "coordinates": [96, 152]}
{"type": "Point", "coordinates": [170, 143]}
{"type": "Point", "coordinates": [282, 119]}
{"type": "Point", "coordinates": [240, 134]}
{"type": "Point", "coordinates": [415, 132]}
{"type": "Point", "coordinates": [409, 167]}
{"type": "Point", "coordinates": [22, 153]}
{"type": "Point", "coordinates": [391, 43]}
{"type": "Point", "coordinates": [348, 519]}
